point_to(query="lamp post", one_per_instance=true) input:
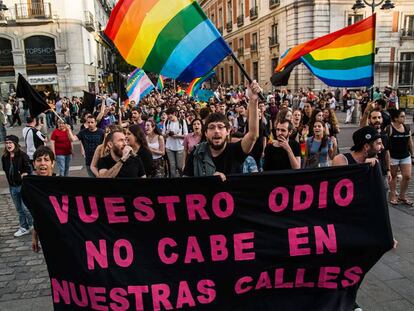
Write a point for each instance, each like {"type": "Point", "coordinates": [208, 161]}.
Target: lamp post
{"type": "Point", "coordinates": [385, 5]}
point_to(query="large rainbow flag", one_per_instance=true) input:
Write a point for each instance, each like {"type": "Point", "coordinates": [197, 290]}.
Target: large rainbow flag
{"type": "Point", "coordinates": [344, 58]}
{"type": "Point", "coordinates": [196, 84]}
{"type": "Point", "coordinates": [172, 38]}
{"type": "Point", "coordinates": [138, 85]}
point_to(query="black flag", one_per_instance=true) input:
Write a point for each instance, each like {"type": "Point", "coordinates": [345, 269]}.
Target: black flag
{"type": "Point", "coordinates": [88, 101]}
{"type": "Point", "coordinates": [34, 100]}
{"type": "Point", "coordinates": [282, 77]}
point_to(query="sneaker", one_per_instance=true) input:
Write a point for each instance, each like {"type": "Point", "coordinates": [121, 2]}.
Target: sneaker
{"type": "Point", "coordinates": [21, 231]}
{"type": "Point", "coordinates": [357, 307]}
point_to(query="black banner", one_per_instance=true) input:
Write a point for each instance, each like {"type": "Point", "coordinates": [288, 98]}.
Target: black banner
{"type": "Point", "coordinates": [289, 241]}
{"type": "Point", "coordinates": [34, 100]}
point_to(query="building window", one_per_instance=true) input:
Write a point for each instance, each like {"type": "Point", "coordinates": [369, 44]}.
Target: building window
{"type": "Point", "coordinates": [40, 55]}
{"type": "Point", "coordinates": [6, 58]}
{"type": "Point", "coordinates": [256, 71]}
{"type": "Point", "coordinates": [241, 7]}
{"type": "Point", "coordinates": [406, 69]}
{"type": "Point", "coordinates": [354, 18]}
{"type": "Point", "coordinates": [241, 46]}
{"type": "Point", "coordinates": [222, 74]}
{"type": "Point", "coordinates": [273, 40]}
{"type": "Point", "coordinates": [229, 12]}
{"type": "Point", "coordinates": [241, 76]}
{"type": "Point", "coordinates": [275, 61]}
{"type": "Point", "coordinates": [213, 19]}
{"type": "Point", "coordinates": [231, 78]}
{"type": "Point", "coordinates": [220, 18]}
{"type": "Point", "coordinates": [253, 46]}
{"type": "Point", "coordinates": [408, 29]}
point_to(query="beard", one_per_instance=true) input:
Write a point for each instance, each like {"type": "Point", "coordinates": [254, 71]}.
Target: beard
{"type": "Point", "coordinates": [216, 147]}
{"type": "Point", "coordinates": [372, 153]}
{"type": "Point", "coordinates": [117, 151]}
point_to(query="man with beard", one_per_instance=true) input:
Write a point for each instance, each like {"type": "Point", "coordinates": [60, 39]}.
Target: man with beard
{"type": "Point", "coordinates": [121, 162]}
{"type": "Point", "coordinates": [283, 153]}
{"type": "Point", "coordinates": [218, 157]}
{"type": "Point", "coordinates": [367, 146]}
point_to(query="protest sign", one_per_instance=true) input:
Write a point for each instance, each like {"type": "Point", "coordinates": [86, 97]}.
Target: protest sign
{"type": "Point", "coordinates": [276, 241]}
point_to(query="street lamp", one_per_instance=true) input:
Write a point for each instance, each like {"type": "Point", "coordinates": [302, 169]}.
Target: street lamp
{"type": "Point", "coordinates": [3, 7]}
{"type": "Point", "coordinates": [360, 4]}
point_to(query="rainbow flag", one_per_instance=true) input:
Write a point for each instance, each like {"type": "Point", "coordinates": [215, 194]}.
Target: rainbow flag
{"type": "Point", "coordinates": [196, 84]}
{"type": "Point", "coordinates": [172, 38]}
{"type": "Point", "coordinates": [180, 91]}
{"type": "Point", "coordinates": [344, 58]}
{"type": "Point", "coordinates": [160, 83]}
{"type": "Point", "coordinates": [138, 85]}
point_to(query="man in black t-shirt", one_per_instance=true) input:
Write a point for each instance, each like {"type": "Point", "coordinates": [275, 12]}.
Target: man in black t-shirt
{"type": "Point", "coordinates": [121, 162]}
{"type": "Point", "coordinates": [90, 138]}
{"type": "Point", "coordinates": [283, 153]}
{"type": "Point", "coordinates": [218, 157]}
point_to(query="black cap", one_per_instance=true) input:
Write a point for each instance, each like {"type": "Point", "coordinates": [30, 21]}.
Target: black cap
{"type": "Point", "coordinates": [12, 138]}
{"type": "Point", "coordinates": [363, 136]}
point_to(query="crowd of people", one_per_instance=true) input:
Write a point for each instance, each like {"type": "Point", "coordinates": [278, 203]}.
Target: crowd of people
{"type": "Point", "coordinates": [236, 131]}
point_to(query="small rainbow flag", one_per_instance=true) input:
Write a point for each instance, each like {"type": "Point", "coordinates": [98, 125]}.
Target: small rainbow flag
{"type": "Point", "coordinates": [196, 84]}
{"type": "Point", "coordinates": [344, 58]}
{"type": "Point", "coordinates": [180, 91]}
{"type": "Point", "coordinates": [138, 85]}
{"type": "Point", "coordinates": [172, 38]}
{"type": "Point", "coordinates": [160, 83]}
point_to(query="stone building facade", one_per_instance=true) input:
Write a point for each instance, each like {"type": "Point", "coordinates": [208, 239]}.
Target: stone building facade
{"type": "Point", "coordinates": [56, 44]}
{"type": "Point", "coordinates": [260, 31]}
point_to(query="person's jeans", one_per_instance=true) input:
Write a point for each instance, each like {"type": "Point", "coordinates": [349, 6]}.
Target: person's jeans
{"type": "Point", "coordinates": [89, 171]}
{"type": "Point", "coordinates": [63, 162]}
{"type": "Point", "coordinates": [175, 159]}
{"type": "Point", "coordinates": [25, 218]}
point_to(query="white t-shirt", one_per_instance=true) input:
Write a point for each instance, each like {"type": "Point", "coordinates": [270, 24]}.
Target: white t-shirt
{"type": "Point", "coordinates": [28, 133]}
{"type": "Point", "coordinates": [9, 109]}
{"type": "Point", "coordinates": [179, 128]}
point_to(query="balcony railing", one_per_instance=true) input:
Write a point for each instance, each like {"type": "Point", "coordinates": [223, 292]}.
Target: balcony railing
{"type": "Point", "coordinates": [253, 47]}
{"type": "Point", "coordinates": [33, 11]}
{"type": "Point", "coordinates": [254, 11]}
{"type": "Point", "coordinates": [407, 32]}
{"type": "Point", "coordinates": [240, 20]}
{"type": "Point", "coordinates": [229, 26]}
{"type": "Point", "coordinates": [89, 21]}
{"type": "Point", "coordinates": [273, 41]}
{"type": "Point", "coordinates": [273, 3]}
{"type": "Point", "coordinates": [240, 51]}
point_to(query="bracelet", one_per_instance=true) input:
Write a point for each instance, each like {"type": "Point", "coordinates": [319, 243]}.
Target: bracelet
{"type": "Point", "coordinates": [122, 161]}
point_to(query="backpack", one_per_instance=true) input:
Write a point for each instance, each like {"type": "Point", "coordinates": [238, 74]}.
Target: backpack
{"type": "Point", "coordinates": [36, 140]}
{"type": "Point", "coordinates": [181, 125]}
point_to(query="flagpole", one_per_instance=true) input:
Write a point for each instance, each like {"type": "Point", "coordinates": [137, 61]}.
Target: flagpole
{"type": "Point", "coordinates": [245, 74]}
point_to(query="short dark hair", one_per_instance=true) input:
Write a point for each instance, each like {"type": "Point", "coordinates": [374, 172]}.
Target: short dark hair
{"type": "Point", "coordinates": [43, 151]}
{"type": "Point", "coordinates": [395, 113]}
{"type": "Point", "coordinates": [290, 125]}
{"type": "Point", "coordinates": [381, 102]}
{"type": "Point", "coordinates": [216, 117]}
{"type": "Point", "coordinates": [204, 112]}
{"type": "Point", "coordinates": [137, 109]}
{"type": "Point", "coordinates": [91, 116]}
{"type": "Point", "coordinates": [172, 110]}
{"type": "Point", "coordinates": [29, 120]}
{"type": "Point", "coordinates": [372, 111]}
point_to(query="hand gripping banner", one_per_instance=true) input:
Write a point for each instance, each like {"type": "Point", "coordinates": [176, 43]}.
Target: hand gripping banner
{"type": "Point", "coordinates": [297, 240]}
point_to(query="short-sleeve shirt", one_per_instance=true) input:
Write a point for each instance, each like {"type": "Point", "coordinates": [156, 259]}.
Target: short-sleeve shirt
{"type": "Point", "coordinates": [230, 161]}
{"type": "Point", "coordinates": [132, 168]}
{"type": "Point", "coordinates": [90, 141]}
{"type": "Point", "coordinates": [63, 146]}
{"type": "Point", "coordinates": [276, 158]}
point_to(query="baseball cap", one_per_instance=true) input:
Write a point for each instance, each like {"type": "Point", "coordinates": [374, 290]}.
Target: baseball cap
{"type": "Point", "coordinates": [364, 135]}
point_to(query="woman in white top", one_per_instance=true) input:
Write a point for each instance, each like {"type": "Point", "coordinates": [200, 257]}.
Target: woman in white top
{"type": "Point", "coordinates": [157, 147]}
